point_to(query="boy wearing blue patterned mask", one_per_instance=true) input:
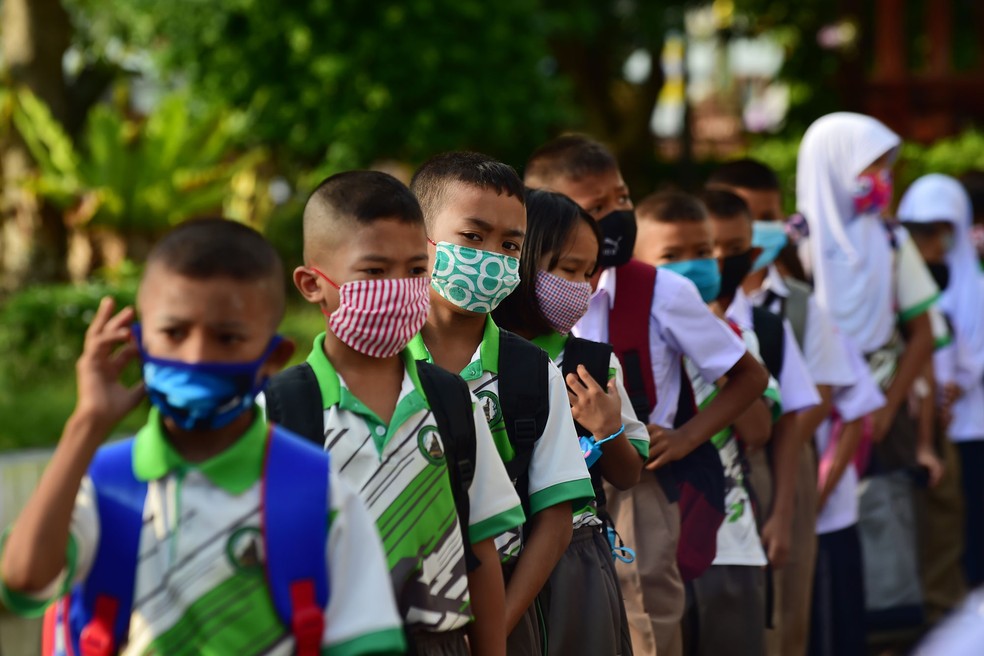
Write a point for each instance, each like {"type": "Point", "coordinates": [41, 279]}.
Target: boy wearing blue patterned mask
{"type": "Point", "coordinates": [255, 508]}
{"type": "Point", "coordinates": [475, 212]}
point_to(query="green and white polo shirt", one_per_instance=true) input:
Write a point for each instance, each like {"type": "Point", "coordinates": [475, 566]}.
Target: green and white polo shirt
{"type": "Point", "coordinates": [557, 473]}
{"type": "Point", "coordinates": [636, 432]}
{"type": "Point", "coordinates": [400, 473]}
{"type": "Point", "coordinates": [200, 583]}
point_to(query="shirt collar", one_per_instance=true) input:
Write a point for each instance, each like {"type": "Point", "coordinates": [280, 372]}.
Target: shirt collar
{"type": "Point", "coordinates": [234, 470]}
{"type": "Point", "coordinates": [486, 357]}
{"type": "Point", "coordinates": [606, 285]}
{"type": "Point", "coordinates": [553, 343]}
{"type": "Point", "coordinates": [328, 380]}
{"type": "Point", "coordinates": [740, 310]}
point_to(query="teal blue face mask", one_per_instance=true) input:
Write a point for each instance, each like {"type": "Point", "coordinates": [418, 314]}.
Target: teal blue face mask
{"type": "Point", "coordinates": [771, 237]}
{"type": "Point", "coordinates": [704, 273]}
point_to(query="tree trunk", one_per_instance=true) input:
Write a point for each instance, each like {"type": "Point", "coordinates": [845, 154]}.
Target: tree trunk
{"type": "Point", "coordinates": [33, 237]}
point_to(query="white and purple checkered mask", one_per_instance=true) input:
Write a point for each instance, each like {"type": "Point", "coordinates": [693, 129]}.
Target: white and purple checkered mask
{"type": "Point", "coordinates": [562, 302]}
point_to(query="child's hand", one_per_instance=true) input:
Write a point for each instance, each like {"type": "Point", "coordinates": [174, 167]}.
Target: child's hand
{"type": "Point", "coordinates": [599, 410]}
{"type": "Point", "coordinates": [666, 446]}
{"type": "Point", "coordinates": [101, 395]}
{"type": "Point", "coordinates": [776, 539]}
{"type": "Point", "coordinates": [926, 457]}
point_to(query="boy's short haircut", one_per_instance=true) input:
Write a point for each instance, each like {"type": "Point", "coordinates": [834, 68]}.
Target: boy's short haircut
{"type": "Point", "coordinates": [205, 249]}
{"type": "Point", "coordinates": [745, 174]}
{"type": "Point", "coordinates": [435, 178]}
{"type": "Point", "coordinates": [570, 156]}
{"type": "Point", "coordinates": [723, 204]}
{"type": "Point", "coordinates": [360, 197]}
{"type": "Point", "coordinates": [671, 207]}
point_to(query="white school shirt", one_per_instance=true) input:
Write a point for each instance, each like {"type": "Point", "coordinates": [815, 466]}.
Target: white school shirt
{"type": "Point", "coordinates": [679, 325]}
{"type": "Point", "coordinates": [968, 410]}
{"type": "Point", "coordinates": [557, 473]}
{"type": "Point", "coordinates": [401, 473]}
{"type": "Point", "coordinates": [738, 540]}
{"type": "Point", "coordinates": [825, 355]}
{"type": "Point", "coordinates": [635, 430]}
{"type": "Point", "coordinates": [200, 583]}
{"type": "Point", "coordinates": [795, 384]}
{"type": "Point", "coordinates": [863, 397]}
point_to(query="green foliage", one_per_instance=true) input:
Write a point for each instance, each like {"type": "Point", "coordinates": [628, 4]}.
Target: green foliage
{"type": "Point", "coordinates": [136, 176]}
{"type": "Point", "coordinates": [348, 82]}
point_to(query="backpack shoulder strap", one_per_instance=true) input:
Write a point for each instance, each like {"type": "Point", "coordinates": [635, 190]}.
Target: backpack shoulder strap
{"type": "Point", "coordinates": [628, 332]}
{"type": "Point", "coordinates": [525, 401]}
{"type": "Point", "coordinates": [102, 605]}
{"type": "Point", "coordinates": [772, 339]}
{"type": "Point", "coordinates": [450, 401]}
{"type": "Point", "coordinates": [797, 304]}
{"type": "Point", "coordinates": [293, 401]}
{"type": "Point", "coordinates": [295, 515]}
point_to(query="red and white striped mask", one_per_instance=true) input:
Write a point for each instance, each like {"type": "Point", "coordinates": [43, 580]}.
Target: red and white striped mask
{"type": "Point", "coordinates": [378, 318]}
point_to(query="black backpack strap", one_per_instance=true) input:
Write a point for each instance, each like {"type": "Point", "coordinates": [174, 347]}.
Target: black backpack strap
{"type": "Point", "coordinates": [525, 402]}
{"type": "Point", "coordinates": [772, 339]}
{"type": "Point", "coordinates": [293, 401]}
{"type": "Point", "coordinates": [450, 401]}
{"type": "Point", "coordinates": [596, 357]}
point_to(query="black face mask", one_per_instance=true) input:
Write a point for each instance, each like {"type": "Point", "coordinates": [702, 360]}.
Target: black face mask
{"type": "Point", "coordinates": [734, 268]}
{"type": "Point", "coordinates": [618, 232]}
{"type": "Point", "coordinates": [940, 273]}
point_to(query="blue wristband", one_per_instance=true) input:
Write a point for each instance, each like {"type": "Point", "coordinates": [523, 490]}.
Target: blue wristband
{"type": "Point", "coordinates": [591, 450]}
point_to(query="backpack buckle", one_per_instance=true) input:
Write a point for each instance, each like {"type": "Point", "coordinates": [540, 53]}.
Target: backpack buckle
{"type": "Point", "coordinates": [307, 621]}
{"type": "Point", "coordinates": [525, 433]}
{"type": "Point", "coordinates": [96, 638]}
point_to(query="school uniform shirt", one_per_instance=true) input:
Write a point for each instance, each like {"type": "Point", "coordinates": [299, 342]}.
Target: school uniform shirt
{"type": "Point", "coordinates": [635, 430]}
{"type": "Point", "coordinates": [400, 472]}
{"type": "Point", "coordinates": [679, 324]}
{"type": "Point", "coordinates": [795, 383]}
{"type": "Point", "coordinates": [826, 359]}
{"type": "Point", "coordinates": [738, 540]}
{"type": "Point", "coordinates": [200, 580]}
{"type": "Point", "coordinates": [861, 398]}
{"type": "Point", "coordinates": [557, 473]}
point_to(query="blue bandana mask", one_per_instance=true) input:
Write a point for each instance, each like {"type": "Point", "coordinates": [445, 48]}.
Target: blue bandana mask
{"type": "Point", "coordinates": [704, 273]}
{"type": "Point", "coordinates": [203, 395]}
{"type": "Point", "coordinates": [771, 237]}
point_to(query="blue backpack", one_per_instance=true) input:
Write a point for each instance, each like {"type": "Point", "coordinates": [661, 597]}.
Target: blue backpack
{"type": "Point", "coordinates": [94, 618]}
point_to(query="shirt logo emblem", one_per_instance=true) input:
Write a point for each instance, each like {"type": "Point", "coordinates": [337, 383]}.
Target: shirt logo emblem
{"type": "Point", "coordinates": [245, 549]}
{"type": "Point", "coordinates": [429, 443]}
{"type": "Point", "coordinates": [490, 404]}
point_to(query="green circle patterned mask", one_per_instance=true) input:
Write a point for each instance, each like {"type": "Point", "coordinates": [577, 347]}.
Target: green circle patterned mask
{"type": "Point", "coordinates": [473, 280]}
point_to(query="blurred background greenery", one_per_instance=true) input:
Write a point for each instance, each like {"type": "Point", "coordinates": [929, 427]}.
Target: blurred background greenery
{"type": "Point", "coordinates": [121, 118]}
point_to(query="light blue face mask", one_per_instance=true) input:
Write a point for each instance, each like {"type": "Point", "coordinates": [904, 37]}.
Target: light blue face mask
{"type": "Point", "coordinates": [704, 273]}
{"type": "Point", "coordinates": [771, 237]}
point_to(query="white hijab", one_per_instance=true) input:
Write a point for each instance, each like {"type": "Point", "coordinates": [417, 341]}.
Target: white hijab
{"type": "Point", "coordinates": [937, 197]}
{"type": "Point", "coordinates": [850, 256]}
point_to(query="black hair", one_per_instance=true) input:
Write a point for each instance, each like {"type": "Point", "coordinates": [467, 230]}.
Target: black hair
{"type": "Point", "coordinates": [746, 174]}
{"type": "Point", "coordinates": [570, 156]}
{"type": "Point", "coordinates": [203, 249]}
{"type": "Point", "coordinates": [550, 220]}
{"type": "Point", "coordinates": [723, 204]}
{"type": "Point", "coordinates": [432, 181]}
{"type": "Point", "coordinates": [973, 183]}
{"type": "Point", "coordinates": [671, 207]}
{"type": "Point", "coordinates": [210, 248]}
{"type": "Point", "coordinates": [363, 197]}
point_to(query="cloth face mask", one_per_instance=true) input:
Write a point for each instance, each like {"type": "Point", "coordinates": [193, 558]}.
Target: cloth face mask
{"type": "Point", "coordinates": [202, 395]}
{"type": "Point", "coordinates": [734, 268]}
{"type": "Point", "coordinates": [771, 237]}
{"type": "Point", "coordinates": [618, 237]}
{"type": "Point", "coordinates": [873, 194]}
{"type": "Point", "coordinates": [561, 301]}
{"type": "Point", "coordinates": [471, 279]}
{"type": "Point", "coordinates": [379, 317]}
{"type": "Point", "coordinates": [703, 272]}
